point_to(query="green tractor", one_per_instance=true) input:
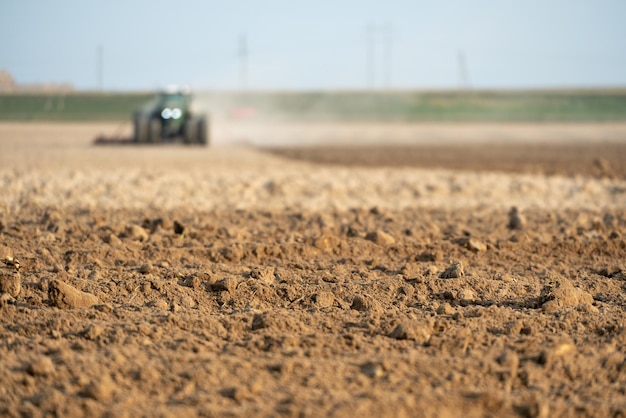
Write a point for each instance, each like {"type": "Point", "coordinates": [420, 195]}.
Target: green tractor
{"type": "Point", "coordinates": [168, 118]}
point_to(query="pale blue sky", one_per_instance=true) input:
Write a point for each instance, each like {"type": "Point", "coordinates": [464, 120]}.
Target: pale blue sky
{"type": "Point", "coordinates": [315, 44]}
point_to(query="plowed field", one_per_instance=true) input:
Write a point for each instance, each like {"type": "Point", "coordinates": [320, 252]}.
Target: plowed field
{"type": "Point", "coordinates": [419, 279]}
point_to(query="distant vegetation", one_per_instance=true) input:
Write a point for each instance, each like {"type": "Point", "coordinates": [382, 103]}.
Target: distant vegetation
{"type": "Point", "coordinates": [69, 106]}
{"type": "Point", "coordinates": [445, 106]}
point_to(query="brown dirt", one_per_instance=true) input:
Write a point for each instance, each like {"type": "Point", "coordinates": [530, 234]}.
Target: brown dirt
{"type": "Point", "coordinates": [229, 282]}
{"type": "Point", "coordinates": [603, 159]}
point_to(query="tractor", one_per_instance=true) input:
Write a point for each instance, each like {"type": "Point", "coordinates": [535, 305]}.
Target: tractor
{"type": "Point", "coordinates": [168, 118]}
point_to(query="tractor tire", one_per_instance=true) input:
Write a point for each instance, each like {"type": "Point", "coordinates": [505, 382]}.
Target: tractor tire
{"type": "Point", "coordinates": [141, 129]}
{"type": "Point", "coordinates": [154, 135]}
{"type": "Point", "coordinates": [202, 134]}
{"type": "Point", "coordinates": [191, 131]}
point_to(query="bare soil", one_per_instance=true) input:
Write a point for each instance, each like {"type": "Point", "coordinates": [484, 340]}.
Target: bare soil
{"type": "Point", "coordinates": [604, 159]}
{"type": "Point", "coordinates": [232, 281]}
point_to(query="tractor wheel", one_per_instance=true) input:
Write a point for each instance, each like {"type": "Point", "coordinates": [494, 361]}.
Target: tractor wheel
{"type": "Point", "coordinates": [154, 135]}
{"type": "Point", "coordinates": [202, 137]}
{"type": "Point", "coordinates": [141, 128]}
{"type": "Point", "coordinates": [191, 131]}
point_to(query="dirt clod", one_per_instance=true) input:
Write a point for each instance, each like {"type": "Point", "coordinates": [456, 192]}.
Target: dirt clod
{"type": "Point", "coordinates": [92, 332]}
{"type": "Point", "coordinates": [161, 304]}
{"type": "Point", "coordinates": [445, 309]}
{"type": "Point", "coordinates": [516, 219]}
{"type": "Point", "coordinates": [228, 284]}
{"type": "Point", "coordinates": [324, 299]}
{"type": "Point", "coordinates": [380, 237]}
{"type": "Point", "coordinates": [101, 389]}
{"type": "Point", "coordinates": [136, 233]}
{"type": "Point", "coordinates": [560, 294]}
{"type": "Point", "coordinates": [559, 349]}
{"type": "Point", "coordinates": [429, 256]}
{"type": "Point", "coordinates": [411, 330]}
{"type": "Point", "coordinates": [6, 299]}
{"type": "Point", "coordinates": [454, 271]}
{"type": "Point", "coordinates": [509, 361]}
{"type": "Point", "coordinates": [179, 228]}
{"type": "Point", "coordinates": [146, 268]}
{"type": "Point", "coordinates": [65, 296]}
{"type": "Point", "coordinates": [10, 281]}
{"type": "Point", "coordinates": [41, 366]}
{"type": "Point", "coordinates": [112, 240]}
{"type": "Point", "coordinates": [361, 303]}
{"type": "Point", "coordinates": [472, 244]}
{"type": "Point", "coordinates": [466, 294]}
{"type": "Point", "coordinates": [372, 369]}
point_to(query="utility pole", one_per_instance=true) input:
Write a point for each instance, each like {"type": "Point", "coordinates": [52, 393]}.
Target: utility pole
{"type": "Point", "coordinates": [371, 55]}
{"type": "Point", "coordinates": [243, 61]}
{"type": "Point", "coordinates": [388, 54]}
{"type": "Point", "coordinates": [99, 67]}
{"type": "Point", "coordinates": [463, 75]}
{"type": "Point", "coordinates": [379, 34]}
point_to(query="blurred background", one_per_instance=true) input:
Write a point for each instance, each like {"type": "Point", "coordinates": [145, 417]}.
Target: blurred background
{"type": "Point", "coordinates": [480, 60]}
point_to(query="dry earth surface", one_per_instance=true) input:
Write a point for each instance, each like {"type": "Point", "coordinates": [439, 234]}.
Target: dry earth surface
{"type": "Point", "coordinates": [388, 281]}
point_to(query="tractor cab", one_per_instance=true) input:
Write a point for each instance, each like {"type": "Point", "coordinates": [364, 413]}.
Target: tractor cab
{"type": "Point", "coordinates": [169, 117]}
